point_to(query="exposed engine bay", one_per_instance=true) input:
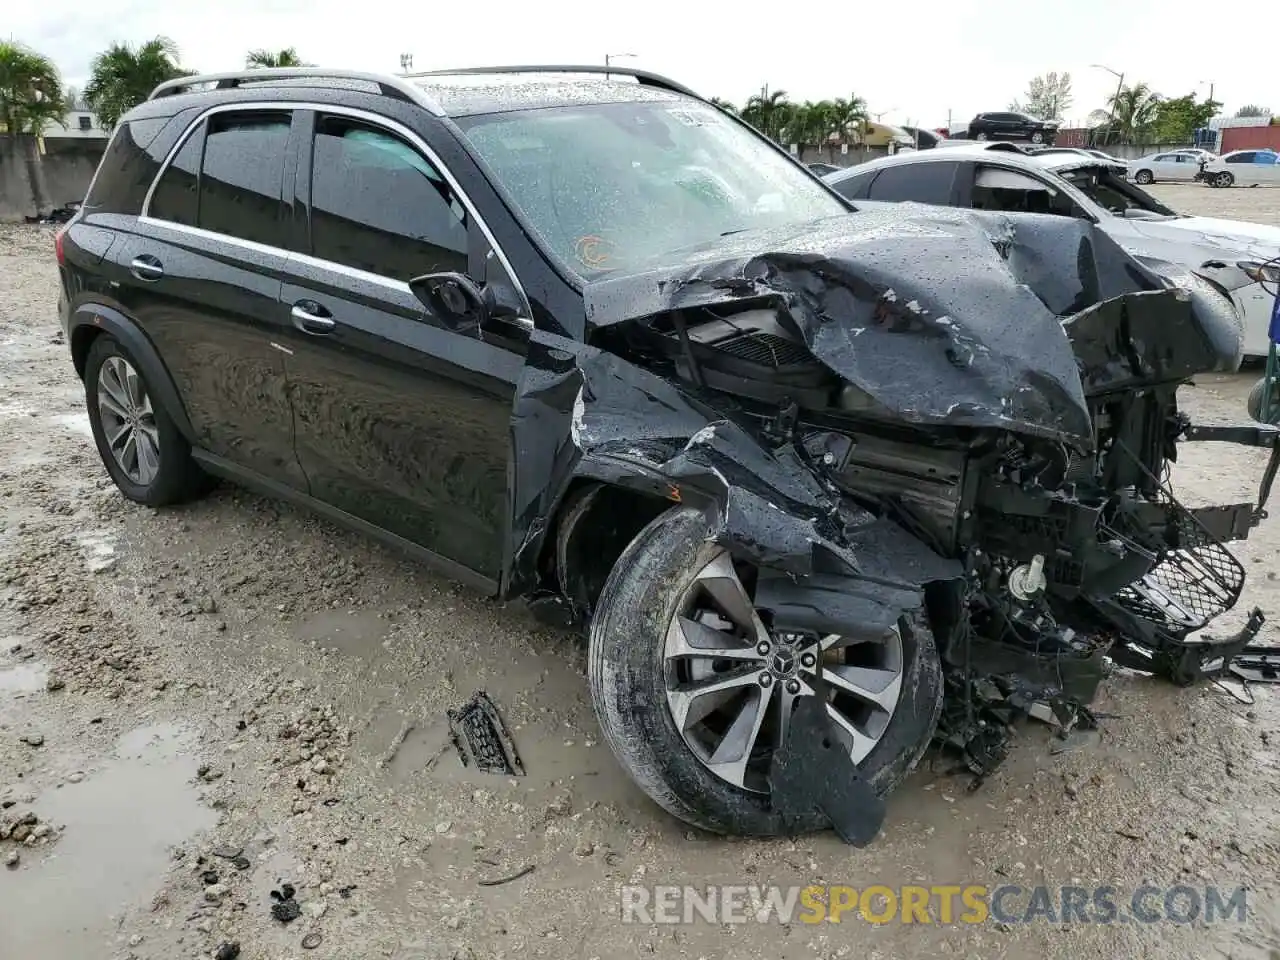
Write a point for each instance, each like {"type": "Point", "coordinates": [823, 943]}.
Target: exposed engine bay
{"type": "Point", "coordinates": [1037, 462]}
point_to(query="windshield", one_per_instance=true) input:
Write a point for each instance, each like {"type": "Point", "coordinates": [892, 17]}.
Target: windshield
{"type": "Point", "coordinates": [1110, 190]}
{"type": "Point", "coordinates": [608, 185]}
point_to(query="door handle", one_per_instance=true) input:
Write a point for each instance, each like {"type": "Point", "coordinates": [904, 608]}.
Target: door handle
{"type": "Point", "coordinates": [308, 318]}
{"type": "Point", "coordinates": [146, 267]}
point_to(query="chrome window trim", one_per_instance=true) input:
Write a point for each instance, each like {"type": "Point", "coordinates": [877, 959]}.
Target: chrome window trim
{"type": "Point", "coordinates": [391, 126]}
{"type": "Point", "coordinates": [251, 245]}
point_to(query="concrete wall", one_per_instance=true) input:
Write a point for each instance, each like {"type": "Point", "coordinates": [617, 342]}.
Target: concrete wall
{"type": "Point", "coordinates": [68, 166]}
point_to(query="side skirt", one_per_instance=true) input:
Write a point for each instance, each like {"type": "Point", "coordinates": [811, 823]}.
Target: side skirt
{"type": "Point", "coordinates": [240, 476]}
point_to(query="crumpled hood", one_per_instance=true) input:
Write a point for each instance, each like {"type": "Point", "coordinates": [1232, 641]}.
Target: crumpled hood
{"type": "Point", "coordinates": [1256, 239]}
{"type": "Point", "coordinates": [941, 316]}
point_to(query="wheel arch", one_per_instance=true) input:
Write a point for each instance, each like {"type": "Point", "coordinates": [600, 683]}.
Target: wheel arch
{"type": "Point", "coordinates": [91, 320]}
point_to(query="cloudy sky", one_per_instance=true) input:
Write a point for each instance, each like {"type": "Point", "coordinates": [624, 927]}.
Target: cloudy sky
{"type": "Point", "coordinates": [913, 60]}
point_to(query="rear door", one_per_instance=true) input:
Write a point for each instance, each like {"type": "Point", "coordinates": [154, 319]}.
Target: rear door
{"type": "Point", "coordinates": [1164, 166]}
{"type": "Point", "coordinates": [401, 422]}
{"type": "Point", "coordinates": [202, 276]}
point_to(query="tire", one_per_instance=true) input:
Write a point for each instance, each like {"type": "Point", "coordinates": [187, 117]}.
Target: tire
{"type": "Point", "coordinates": [626, 672]}
{"type": "Point", "coordinates": [980, 136]}
{"type": "Point", "coordinates": [1254, 403]}
{"type": "Point", "coordinates": [173, 476]}
{"type": "Point", "coordinates": [1144, 177]}
{"type": "Point", "coordinates": [1037, 137]}
{"type": "Point", "coordinates": [1223, 178]}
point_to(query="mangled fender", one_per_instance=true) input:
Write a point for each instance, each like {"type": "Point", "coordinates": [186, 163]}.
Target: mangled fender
{"type": "Point", "coordinates": [581, 412]}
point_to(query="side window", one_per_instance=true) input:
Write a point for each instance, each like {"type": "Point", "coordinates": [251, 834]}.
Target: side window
{"type": "Point", "coordinates": [920, 182]}
{"type": "Point", "coordinates": [379, 206]}
{"type": "Point", "coordinates": [853, 188]}
{"type": "Point", "coordinates": [241, 176]}
{"type": "Point", "coordinates": [1164, 158]}
{"type": "Point", "coordinates": [1010, 191]}
{"type": "Point", "coordinates": [175, 197]}
{"type": "Point", "coordinates": [1246, 157]}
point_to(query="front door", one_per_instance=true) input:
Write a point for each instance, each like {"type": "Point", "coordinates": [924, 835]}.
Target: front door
{"type": "Point", "coordinates": [203, 279]}
{"type": "Point", "coordinates": [400, 421]}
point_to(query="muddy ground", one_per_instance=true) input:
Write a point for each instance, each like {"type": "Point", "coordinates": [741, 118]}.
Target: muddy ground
{"type": "Point", "coordinates": [235, 688]}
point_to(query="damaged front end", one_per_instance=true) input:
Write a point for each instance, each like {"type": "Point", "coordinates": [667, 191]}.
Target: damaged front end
{"type": "Point", "coordinates": [912, 408]}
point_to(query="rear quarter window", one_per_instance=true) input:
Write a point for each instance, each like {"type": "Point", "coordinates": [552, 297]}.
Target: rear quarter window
{"type": "Point", "coordinates": [131, 162]}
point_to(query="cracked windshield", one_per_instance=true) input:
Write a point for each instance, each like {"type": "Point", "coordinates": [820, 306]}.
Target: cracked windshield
{"type": "Point", "coordinates": [617, 184]}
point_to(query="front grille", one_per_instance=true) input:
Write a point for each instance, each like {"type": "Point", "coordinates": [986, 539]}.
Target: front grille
{"type": "Point", "coordinates": [766, 350]}
{"type": "Point", "coordinates": [1193, 581]}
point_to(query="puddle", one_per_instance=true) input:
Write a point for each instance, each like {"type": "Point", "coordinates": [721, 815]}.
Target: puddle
{"type": "Point", "coordinates": [355, 633]}
{"type": "Point", "coordinates": [76, 423]}
{"type": "Point", "coordinates": [23, 678]}
{"type": "Point", "coordinates": [121, 822]}
{"type": "Point", "coordinates": [99, 549]}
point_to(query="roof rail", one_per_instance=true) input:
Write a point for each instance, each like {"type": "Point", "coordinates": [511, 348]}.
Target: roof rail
{"type": "Point", "coordinates": [643, 76]}
{"type": "Point", "coordinates": [388, 85]}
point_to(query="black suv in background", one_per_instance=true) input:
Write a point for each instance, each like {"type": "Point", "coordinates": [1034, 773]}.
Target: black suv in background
{"type": "Point", "coordinates": [591, 342]}
{"type": "Point", "coordinates": [1012, 126]}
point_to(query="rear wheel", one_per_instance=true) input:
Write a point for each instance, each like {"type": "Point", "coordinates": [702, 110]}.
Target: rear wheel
{"type": "Point", "coordinates": [694, 689]}
{"type": "Point", "coordinates": [1144, 177]}
{"type": "Point", "coordinates": [1223, 179]}
{"type": "Point", "coordinates": [143, 451]}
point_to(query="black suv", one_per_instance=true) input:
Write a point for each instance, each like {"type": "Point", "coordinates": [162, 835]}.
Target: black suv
{"type": "Point", "coordinates": [1012, 126]}
{"type": "Point", "coordinates": [822, 484]}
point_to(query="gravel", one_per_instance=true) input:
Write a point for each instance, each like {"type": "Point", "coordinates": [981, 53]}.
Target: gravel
{"type": "Point", "coordinates": [307, 672]}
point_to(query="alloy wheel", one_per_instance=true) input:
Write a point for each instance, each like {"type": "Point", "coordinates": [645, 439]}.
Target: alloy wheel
{"type": "Point", "coordinates": [128, 420]}
{"type": "Point", "coordinates": [732, 682]}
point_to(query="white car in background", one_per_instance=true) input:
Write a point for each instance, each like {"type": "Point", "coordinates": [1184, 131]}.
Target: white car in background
{"type": "Point", "coordinates": [1243, 168]}
{"type": "Point", "coordinates": [1234, 254]}
{"type": "Point", "coordinates": [1171, 165]}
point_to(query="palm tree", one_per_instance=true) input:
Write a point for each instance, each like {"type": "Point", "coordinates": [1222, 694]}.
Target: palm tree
{"type": "Point", "coordinates": [30, 99]}
{"type": "Point", "coordinates": [1133, 111]}
{"type": "Point", "coordinates": [288, 57]}
{"type": "Point", "coordinates": [724, 105]}
{"type": "Point", "coordinates": [852, 116]}
{"type": "Point", "coordinates": [121, 77]}
{"type": "Point", "coordinates": [769, 112]}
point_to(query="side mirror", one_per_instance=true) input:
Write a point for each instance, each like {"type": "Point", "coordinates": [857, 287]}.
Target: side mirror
{"type": "Point", "coordinates": [454, 298]}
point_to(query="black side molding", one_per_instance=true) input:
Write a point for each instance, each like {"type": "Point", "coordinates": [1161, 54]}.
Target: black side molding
{"type": "Point", "coordinates": [237, 474]}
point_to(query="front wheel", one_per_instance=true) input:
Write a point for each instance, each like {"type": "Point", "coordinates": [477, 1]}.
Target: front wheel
{"type": "Point", "coordinates": [1223, 179]}
{"type": "Point", "coordinates": [1037, 137]}
{"type": "Point", "coordinates": [694, 690]}
{"type": "Point", "coordinates": [1144, 177]}
{"type": "Point", "coordinates": [980, 136]}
